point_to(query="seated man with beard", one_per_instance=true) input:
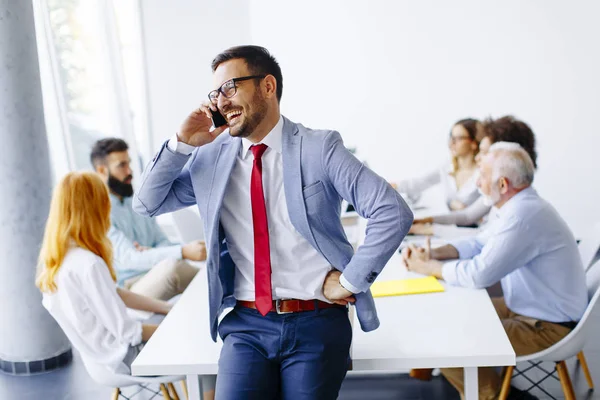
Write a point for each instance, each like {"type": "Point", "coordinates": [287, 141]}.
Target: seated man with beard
{"type": "Point", "coordinates": [528, 248]}
{"type": "Point", "coordinates": [146, 261]}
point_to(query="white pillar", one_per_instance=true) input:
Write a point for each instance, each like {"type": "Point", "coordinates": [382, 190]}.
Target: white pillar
{"type": "Point", "coordinates": [28, 334]}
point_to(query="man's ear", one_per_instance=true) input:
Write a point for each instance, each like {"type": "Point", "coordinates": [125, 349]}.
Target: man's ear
{"type": "Point", "coordinates": [270, 86]}
{"type": "Point", "coordinates": [503, 182]}
{"type": "Point", "coordinates": [102, 169]}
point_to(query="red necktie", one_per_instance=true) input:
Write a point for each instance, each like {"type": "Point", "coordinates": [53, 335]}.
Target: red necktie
{"type": "Point", "coordinates": [262, 256]}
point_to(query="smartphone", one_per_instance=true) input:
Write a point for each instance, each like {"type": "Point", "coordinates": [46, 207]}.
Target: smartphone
{"type": "Point", "coordinates": [218, 118]}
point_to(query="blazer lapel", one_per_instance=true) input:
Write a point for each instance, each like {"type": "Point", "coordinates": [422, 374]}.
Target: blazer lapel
{"type": "Point", "coordinates": [292, 180]}
{"type": "Point", "coordinates": [221, 173]}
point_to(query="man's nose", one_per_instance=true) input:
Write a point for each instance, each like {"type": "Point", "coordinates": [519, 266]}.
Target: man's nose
{"type": "Point", "coordinates": [222, 101]}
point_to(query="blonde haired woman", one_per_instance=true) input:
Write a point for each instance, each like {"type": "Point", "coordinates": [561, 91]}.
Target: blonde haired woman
{"type": "Point", "coordinates": [77, 279]}
{"type": "Point", "coordinates": [458, 178]}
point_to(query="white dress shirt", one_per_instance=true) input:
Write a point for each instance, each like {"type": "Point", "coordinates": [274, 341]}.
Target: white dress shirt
{"type": "Point", "coordinates": [90, 312]}
{"type": "Point", "coordinates": [531, 250]}
{"type": "Point", "coordinates": [297, 269]}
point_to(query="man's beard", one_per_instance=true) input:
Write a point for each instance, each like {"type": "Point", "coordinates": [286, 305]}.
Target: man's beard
{"type": "Point", "coordinates": [252, 121]}
{"type": "Point", "coordinates": [492, 199]}
{"type": "Point", "coordinates": [120, 188]}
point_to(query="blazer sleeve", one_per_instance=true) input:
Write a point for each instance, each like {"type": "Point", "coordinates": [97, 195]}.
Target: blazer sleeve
{"type": "Point", "coordinates": [166, 184]}
{"type": "Point", "coordinates": [389, 217]}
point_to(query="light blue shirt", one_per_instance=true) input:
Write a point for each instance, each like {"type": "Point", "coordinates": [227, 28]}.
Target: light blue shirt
{"type": "Point", "coordinates": [532, 251]}
{"type": "Point", "coordinates": [129, 227]}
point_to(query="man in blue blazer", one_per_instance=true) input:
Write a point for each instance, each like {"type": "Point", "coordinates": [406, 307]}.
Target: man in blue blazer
{"type": "Point", "coordinates": [271, 192]}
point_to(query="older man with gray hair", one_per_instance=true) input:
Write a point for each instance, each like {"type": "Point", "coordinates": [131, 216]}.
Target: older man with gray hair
{"type": "Point", "coordinates": [528, 248]}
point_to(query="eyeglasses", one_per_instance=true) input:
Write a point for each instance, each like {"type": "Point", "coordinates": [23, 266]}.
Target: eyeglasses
{"type": "Point", "coordinates": [229, 88]}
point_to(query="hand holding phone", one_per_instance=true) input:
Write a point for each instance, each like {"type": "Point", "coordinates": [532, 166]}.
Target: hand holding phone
{"type": "Point", "coordinates": [196, 130]}
{"type": "Point", "coordinates": [218, 119]}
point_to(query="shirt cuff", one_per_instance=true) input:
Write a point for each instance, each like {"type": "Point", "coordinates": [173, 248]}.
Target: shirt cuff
{"type": "Point", "coordinates": [179, 147]}
{"type": "Point", "coordinates": [347, 285]}
{"type": "Point", "coordinates": [177, 251]}
{"type": "Point", "coordinates": [465, 248]}
{"type": "Point", "coordinates": [449, 272]}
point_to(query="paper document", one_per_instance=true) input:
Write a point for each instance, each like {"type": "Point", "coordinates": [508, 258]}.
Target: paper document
{"type": "Point", "coordinates": [428, 284]}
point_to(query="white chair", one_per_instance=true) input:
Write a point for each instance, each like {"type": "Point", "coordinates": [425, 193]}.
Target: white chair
{"type": "Point", "coordinates": [589, 246]}
{"type": "Point", "coordinates": [188, 224]}
{"type": "Point", "coordinates": [571, 345]}
{"type": "Point", "coordinates": [104, 376]}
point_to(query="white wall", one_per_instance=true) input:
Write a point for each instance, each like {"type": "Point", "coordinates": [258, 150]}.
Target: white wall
{"type": "Point", "coordinates": [393, 76]}
{"type": "Point", "coordinates": [181, 37]}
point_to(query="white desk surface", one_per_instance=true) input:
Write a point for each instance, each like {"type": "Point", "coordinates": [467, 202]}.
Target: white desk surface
{"type": "Point", "coordinates": [455, 328]}
{"type": "Point", "coordinates": [458, 327]}
{"type": "Point", "coordinates": [182, 344]}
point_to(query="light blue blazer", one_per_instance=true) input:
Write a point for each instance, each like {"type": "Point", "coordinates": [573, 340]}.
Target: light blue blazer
{"type": "Point", "coordinates": [318, 172]}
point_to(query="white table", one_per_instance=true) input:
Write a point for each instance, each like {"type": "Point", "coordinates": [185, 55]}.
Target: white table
{"type": "Point", "coordinates": [182, 344]}
{"type": "Point", "coordinates": [456, 328]}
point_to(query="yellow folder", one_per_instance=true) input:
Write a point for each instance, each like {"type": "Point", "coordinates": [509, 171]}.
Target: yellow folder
{"type": "Point", "coordinates": [406, 286]}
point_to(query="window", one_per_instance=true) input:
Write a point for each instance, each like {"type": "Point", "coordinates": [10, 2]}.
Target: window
{"type": "Point", "coordinates": [91, 65]}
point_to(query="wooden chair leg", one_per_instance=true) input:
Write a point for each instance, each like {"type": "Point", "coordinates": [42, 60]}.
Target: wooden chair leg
{"type": "Point", "coordinates": [116, 393]}
{"type": "Point", "coordinates": [565, 380]}
{"type": "Point", "coordinates": [508, 372]}
{"type": "Point", "coordinates": [165, 392]}
{"type": "Point", "coordinates": [172, 391]}
{"type": "Point", "coordinates": [185, 392]}
{"type": "Point", "coordinates": [586, 370]}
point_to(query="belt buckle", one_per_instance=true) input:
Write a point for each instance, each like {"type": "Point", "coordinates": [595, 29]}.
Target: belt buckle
{"type": "Point", "coordinates": [278, 307]}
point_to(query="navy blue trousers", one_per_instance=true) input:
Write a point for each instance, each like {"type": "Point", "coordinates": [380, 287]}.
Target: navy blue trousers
{"type": "Point", "coordinates": [298, 356]}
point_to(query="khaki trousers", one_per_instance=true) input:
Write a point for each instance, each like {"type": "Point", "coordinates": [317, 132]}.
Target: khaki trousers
{"type": "Point", "coordinates": [165, 280]}
{"type": "Point", "coordinates": [527, 335]}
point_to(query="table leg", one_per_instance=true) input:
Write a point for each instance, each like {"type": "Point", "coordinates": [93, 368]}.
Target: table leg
{"type": "Point", "coordinates": [194, 384]}
{"type": "Point", "coordinates": [471, 384]}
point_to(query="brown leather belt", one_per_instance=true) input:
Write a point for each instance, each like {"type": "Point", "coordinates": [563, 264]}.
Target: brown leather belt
{"type": "Point", "coordinates": [292, 305]}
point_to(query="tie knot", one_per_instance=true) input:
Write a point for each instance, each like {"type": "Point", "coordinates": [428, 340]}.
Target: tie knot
{"type": "Point", "coordinates": [258, 150]}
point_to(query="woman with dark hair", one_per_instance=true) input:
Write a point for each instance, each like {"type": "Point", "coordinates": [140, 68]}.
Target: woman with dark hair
{"type": "Point", "coordinates": [458, 178]}
{"type": "Point", "coordinates": [505, 129]}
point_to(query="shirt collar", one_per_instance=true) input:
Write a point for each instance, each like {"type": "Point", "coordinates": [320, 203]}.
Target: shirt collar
{"type": "Point", "coordinates": [514, 201]}
{"type": "Point", "coordinates": [116, 201]}
{"type": "Point", "coordinates": [272, 140]}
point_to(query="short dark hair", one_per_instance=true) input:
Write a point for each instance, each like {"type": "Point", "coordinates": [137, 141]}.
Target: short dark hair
{"type": "Point", "coordinates": [103, 147]}
{"type": "Point", "coordinates": [510, 129]}
{"type": "Point", "coordinates": [258, 59]}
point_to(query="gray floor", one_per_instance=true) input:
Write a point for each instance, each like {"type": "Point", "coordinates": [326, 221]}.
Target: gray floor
{"type": "Point", "coordinates": [73, 383]}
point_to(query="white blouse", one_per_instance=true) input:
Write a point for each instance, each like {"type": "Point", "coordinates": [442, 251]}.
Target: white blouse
{"type": "Point", "coordinates": [467, 194]}
{"type": "Point", "coordinates": [90, 312]}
